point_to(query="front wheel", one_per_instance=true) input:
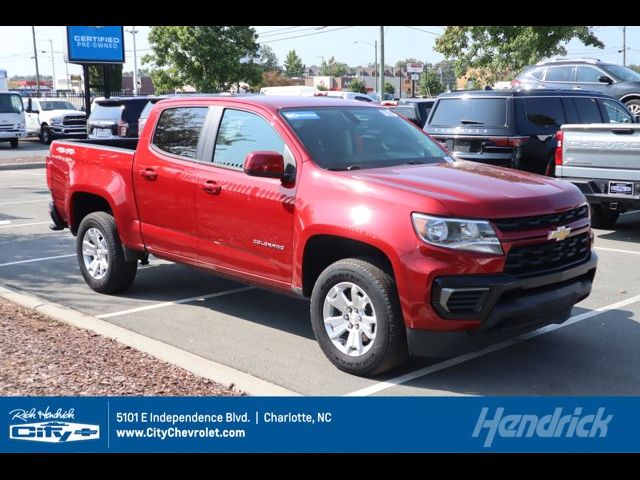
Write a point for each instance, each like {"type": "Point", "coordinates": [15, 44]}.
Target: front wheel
{"type": "Point", "coordinates": [356, 317]}
{"type": "Point", "coordinates": [45, 135]}
{"type": "Point", "coordinates": [634, 107]}
{"type": "Point", "coordinates": [101, 256]}
{"type": "Point", "coordinates": [14, 143]}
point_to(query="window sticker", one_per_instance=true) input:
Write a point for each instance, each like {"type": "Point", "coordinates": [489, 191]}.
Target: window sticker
{"type": "Point", "coordinates": [301, 115]}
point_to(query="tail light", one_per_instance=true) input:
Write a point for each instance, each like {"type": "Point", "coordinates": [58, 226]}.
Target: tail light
{"type": "Point", "coordinates": [123, 127]}
{"type": "Point", "coordinates": [515, 83]}
{"type": "Point", "coordinates": [512, 142]}
{"type": "Point", "coordinates": [559, 137]}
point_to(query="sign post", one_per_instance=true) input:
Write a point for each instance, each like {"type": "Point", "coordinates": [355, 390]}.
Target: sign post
{"type": "Point", "coordinates": [415, 69]}
{"type": "Point", "coordinates": [94, 45]}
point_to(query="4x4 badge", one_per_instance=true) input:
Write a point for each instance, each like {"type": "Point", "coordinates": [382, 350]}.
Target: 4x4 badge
{"type": "Point", "coordinates": [559, 233]}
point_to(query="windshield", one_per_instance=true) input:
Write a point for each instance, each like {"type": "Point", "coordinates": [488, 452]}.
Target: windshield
{"type": "Point", "coordinates": [56, 105]}
{"type": "Point", "coordinates": [349, 138]}
{"type": "Point", "coordinates": [622, 73]}
{"type": "Point", "coordinates": [458, 111]}
{"type": "Point", "coordinates": [10, 103]}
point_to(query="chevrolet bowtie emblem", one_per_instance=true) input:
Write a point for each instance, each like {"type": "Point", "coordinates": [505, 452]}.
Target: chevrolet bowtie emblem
{"type": "Point", "coordinates": [559, 233]}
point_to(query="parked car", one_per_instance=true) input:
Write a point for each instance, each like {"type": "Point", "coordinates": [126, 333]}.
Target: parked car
{"type": "Point", "coordinates": [49, 118]}
{"type": "Point", "coordinates": [12, 121]}
{"type": "Point", "coordinates": [603, 161]}
{"type": "Point", "coordinates": [346, 95]}
{"type": "Point", "coordinates": [144, 115]}
{"type": "Point", "coordinates": [516, 128]}
{"type": "Point", "coordinates": [116, 117]}
{"type": "Point", "coordinates": [585, 74]}
{"type": "Point", "coordinates": [399, 248]}
{"type": "Point", "coordinates": [415, 109]}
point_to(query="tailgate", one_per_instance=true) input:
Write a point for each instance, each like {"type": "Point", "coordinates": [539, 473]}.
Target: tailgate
{"type": "Point", "coordinates": [607, 151]}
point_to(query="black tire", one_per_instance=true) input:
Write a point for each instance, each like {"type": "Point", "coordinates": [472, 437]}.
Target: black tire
{"type": "Point", "coordinates": [602, 217]}
{"type": "Point", "coordinates": [633, 106]}
{"type": "Point", "coordinates": [389, 347]}
{"type": "Point", "coordinates": [119, 274]}
{"type": "Point", "coordinates": [45, 135]}
{"type": "Point", "coordinates": [14, 143]}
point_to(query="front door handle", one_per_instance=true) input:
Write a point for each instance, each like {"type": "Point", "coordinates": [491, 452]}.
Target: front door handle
{"type": "Point", "coordinates": [211, 187]}
{"type": "Point", "coordinates": [149, 174]}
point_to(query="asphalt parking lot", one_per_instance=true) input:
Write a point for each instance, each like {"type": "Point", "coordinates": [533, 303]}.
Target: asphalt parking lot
{"type": "Point", "coordinates": [270, 336]}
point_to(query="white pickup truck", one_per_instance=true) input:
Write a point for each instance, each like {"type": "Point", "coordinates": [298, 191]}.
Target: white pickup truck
{"type": "Point", "coordinates": [603, 161]}
{"type": "Point", "coordinates": [51, 118]}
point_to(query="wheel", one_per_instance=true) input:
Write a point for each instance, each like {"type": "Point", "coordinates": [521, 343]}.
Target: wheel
{"type": "Point", "coordinates": [602, 217]}
{"type": "Point", "coordinates": [14, 143]}
{"type": "Point", "coordinates": [45, 135]}
{"type": "Point", "coordinates": [633, 106]}
{"type": "Point", "coordinates": [100, 255]}
{"type": "Point", "coordinates": [356, 317]}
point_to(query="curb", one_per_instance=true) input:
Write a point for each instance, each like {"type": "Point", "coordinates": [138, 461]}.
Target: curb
{"type": "Point", "coordinates": [198, 365]}
{"type": "Point", "coordinates": [21, 166]}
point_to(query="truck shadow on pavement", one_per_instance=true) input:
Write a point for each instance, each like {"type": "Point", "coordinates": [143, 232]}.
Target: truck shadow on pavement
{"type": "Point", "coordinates": [627, 229]}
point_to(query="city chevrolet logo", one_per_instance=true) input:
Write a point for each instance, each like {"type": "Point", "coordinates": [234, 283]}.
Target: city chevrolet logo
{"type": "Point", "coordinates": [54, 432]}
{"type": "Point", "coordinates": [559, 233]}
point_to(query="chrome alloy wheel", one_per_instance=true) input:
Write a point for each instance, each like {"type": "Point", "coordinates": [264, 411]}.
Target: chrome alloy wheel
{"type": "Point", "coordinates": [349, 319]}
{"type": "Point", "coordinates": [634, 109]}
{"type": "Point", "coordinates": [95, 253]}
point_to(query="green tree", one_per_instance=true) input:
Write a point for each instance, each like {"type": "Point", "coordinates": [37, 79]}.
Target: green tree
{"type": "Point", "coordinates": [209, 58]}
{"type": "Point", "coordinates": [358, 86]}
{"type": "Point", "coordinates": [505, 50]}
{"type": "Point", "coordinates": [293, 66]}
{"type": "Point", "coordinates": [96, 77]}
{"type": "Point", "coordinates": [272, 78]}
{"type": "Point", "coordinates": [333, 68]}
{"type": "Point", "coordinates": [430, 84]}
{"type": "Point", "coordinates": [388, 88]}
{"type": "Point", "coordinates": [268, 58]}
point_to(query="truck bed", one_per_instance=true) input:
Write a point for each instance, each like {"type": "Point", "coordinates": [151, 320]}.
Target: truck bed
{"type": "Point", "coordinates": [125, 143]}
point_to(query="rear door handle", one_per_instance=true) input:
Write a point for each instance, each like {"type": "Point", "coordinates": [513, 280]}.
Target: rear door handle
{"type": "Point", "coordinates": [149, 174]}
{"type": "Point", "coordinates": [211, 187]}
{"type": "Point", "coordinates": [622, 131]}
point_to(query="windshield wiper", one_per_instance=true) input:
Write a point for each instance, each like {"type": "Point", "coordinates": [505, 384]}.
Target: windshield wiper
{"type": "Point", "coordinates": [354, 167]}
{"type": "Point", "coordinates": [414, 162]}
{"type": "Point", "coordinates": [342, 169]}
{"type": "Point", "coordinates": [471, 122]}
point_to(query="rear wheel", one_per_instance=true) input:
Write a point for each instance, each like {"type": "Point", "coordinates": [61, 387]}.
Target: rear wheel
{"type": "Point", "coordinates": [602, 217]}
{"type": "Point", "coordinates": [14, 143]}
{"type": "Point", "coordinates": [356, 317]}
{"type": "Point", "coordinates": [101, 256]}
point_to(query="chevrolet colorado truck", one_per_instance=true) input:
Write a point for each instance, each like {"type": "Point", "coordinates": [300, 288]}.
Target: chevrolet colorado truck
{"type": "Point", "coordinates": [603, 161]}
{"type": "Point", "coordinates": [400, 249]}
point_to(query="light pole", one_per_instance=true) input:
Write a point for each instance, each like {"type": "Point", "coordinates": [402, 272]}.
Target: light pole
{"type": "Point", "coordinates": [53, 64]}
{"type": "Point", "coordinates": [133, 32]}
{"type": "Point", "coordinates": [375, 63]}
{"type": "Point", "coordinates": [35, 55]}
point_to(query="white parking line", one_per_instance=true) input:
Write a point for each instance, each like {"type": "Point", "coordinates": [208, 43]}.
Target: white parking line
{"type": "Point", "coordinates": [24, 224]}
{"type": "Point", "coordinates": [36, 260]}
{"type": "Point", "coordinates": [452, 362]}
{"type": "Point", "coordinates": [176, 302]}
{"type": "Point", "coordinates": [26, 201]}
{"type": "Point", "coordinates": [618, 250]}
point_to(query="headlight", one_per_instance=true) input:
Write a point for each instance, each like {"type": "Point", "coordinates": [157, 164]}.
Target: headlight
{"type": "Point", "coordinates": [21, 126]}
{"type": "Point", "coordinates": [460, 234]}
{"type": "Point", "coordinates": [56, 121]}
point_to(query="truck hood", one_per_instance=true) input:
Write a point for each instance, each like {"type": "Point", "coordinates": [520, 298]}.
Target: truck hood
{"type": "Point", "coordinates": [49, 114]}
{"type": "Point", "coordinates": [473, 190]}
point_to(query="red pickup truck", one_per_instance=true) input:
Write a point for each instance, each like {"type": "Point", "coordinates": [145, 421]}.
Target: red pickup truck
{"type": "Point", "coordinates": [401, 249]}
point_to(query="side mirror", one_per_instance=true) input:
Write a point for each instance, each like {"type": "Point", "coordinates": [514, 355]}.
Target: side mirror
{"type": "Point", "coordinates": [605, 79]}
{"type": "Point", "coordinates": [264, 164]}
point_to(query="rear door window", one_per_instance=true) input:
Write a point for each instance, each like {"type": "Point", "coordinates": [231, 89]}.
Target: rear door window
{"type": "Point", "coordinates": [465, 111]}
{"type": "Point", "coordinates": [178, 130]}
{"type": "Point", "coordinates": [543, 115]}
{"type": "Point", "coordinates": [559, 74]}
{"type": "Point", "coordinates": [615, 112]}
{"type": "Point", "coordinates": [588, 111]}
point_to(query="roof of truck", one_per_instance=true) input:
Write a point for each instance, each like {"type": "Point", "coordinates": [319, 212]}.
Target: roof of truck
{"type": "Point", "coordinates": [276, 102]}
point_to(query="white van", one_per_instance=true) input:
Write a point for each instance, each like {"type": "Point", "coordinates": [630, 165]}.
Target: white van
{"type": "Point", "coordinates": [12, 125]}
{"type": "Point", "coordinates": [291, 90]}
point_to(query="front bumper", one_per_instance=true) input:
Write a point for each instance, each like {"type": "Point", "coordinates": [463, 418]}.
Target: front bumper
{"type": "Point", "coordinates": [509, 305]}
{"type": "Point", "coordinates": [9, 134]}
{"type": "Point", "coordinates": [61, 131]}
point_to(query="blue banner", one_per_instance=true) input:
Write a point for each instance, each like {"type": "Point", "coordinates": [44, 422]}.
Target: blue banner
{"type": "Point", "coordinates": [319, 424]}
{"type": "Point", "coordinates": [95, 44]}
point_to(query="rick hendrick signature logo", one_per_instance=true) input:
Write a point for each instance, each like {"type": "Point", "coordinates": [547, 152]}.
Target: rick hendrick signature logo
{"type": "Point", "coordinates": [46, 414]}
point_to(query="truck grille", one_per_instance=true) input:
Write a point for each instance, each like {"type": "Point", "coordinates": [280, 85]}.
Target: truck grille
{"type": "Point", "coordinates": [522, 260]}
{"type": "Point", "coordinates": [5, 128]}
{"type": "Point", "coordinates": [542, 221]}
{"type": "Point", "coordinates": [74, 121]}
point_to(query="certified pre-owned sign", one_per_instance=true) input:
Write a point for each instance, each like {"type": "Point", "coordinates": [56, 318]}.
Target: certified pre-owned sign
{"type": "Point", "coordinates": [54, 429]}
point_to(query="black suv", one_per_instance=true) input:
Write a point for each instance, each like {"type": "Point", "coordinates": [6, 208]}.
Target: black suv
{"type": "Point", "coordinates": [415, 109]}
{"type": "Point", "coordinates": [584, 74]}
{"type": "Point", "coordinates": [116, 117]}
{"type": "Point", "coordinates": [516, 128]}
